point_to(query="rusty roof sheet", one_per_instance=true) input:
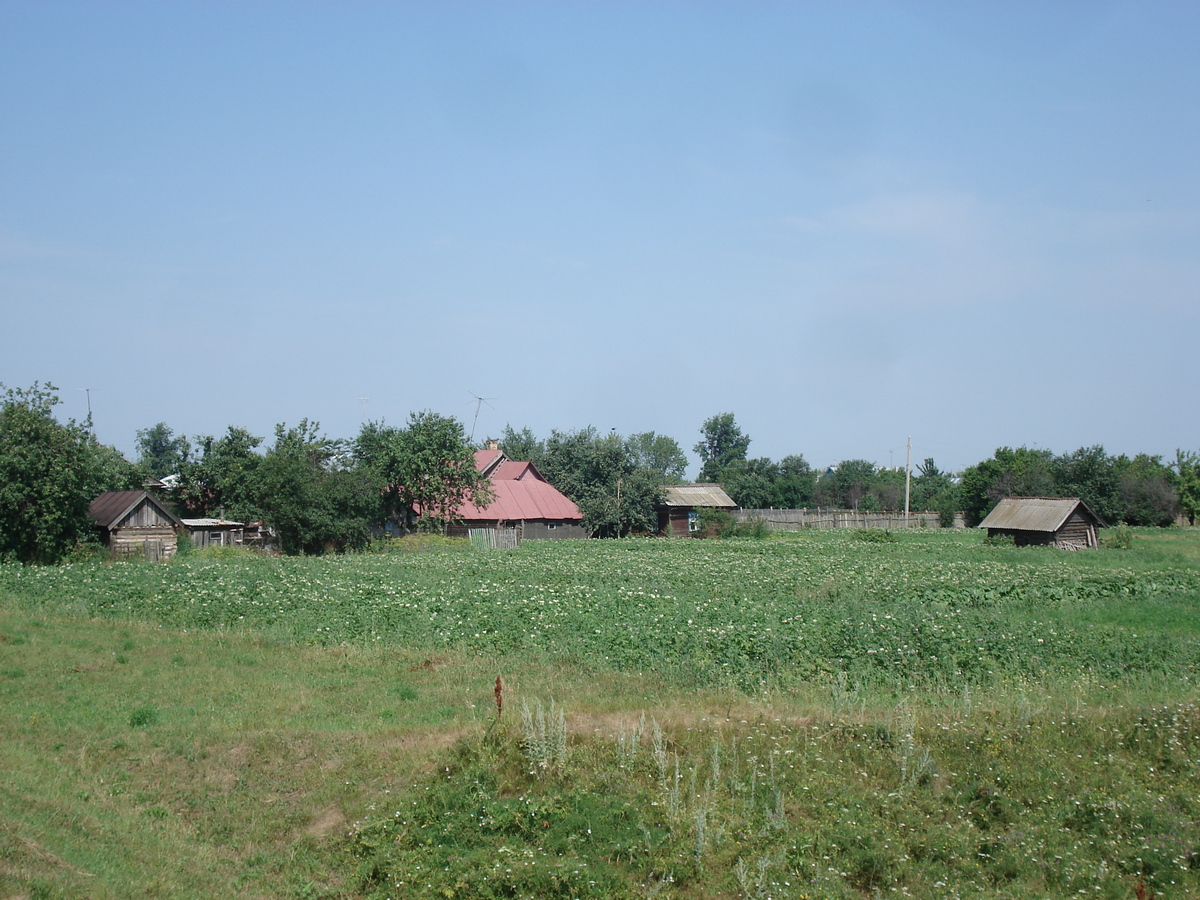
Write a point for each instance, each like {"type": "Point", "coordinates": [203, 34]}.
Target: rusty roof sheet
{"type": "Point", "coordinates": [1034, 513]}
{"type": "Point", "coordinates": [697, 495]}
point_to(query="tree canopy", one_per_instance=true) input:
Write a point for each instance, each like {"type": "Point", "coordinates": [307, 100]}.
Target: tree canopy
{"type": "Point", "coordinates": [49, 474]}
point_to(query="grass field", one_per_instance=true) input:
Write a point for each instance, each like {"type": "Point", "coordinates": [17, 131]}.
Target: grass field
{"type": "Point", "coordinates": [819, 715]}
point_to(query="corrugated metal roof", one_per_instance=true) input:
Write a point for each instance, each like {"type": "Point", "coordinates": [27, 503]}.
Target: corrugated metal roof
{"type": "Point", "coordinates": [211, 523]}
{"type": "Point", "coordinates": [1034, 513]}
{"type": "Point", "coordinates": [697, 495]}
{"type": "Point", "coordinates": [113, 506]}
{"type": "Point", "coordinates": [529, 498]}
{"type": "Point", "coordinates": [486, 459]}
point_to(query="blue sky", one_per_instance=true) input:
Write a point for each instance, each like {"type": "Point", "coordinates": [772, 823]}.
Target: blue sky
{"type": "Point", "coordinates": [976, 224]}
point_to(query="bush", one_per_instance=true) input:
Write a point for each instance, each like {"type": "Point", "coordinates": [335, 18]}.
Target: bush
{"type": "Point", "coordinates": [718, 523]}
{"type": "Point", "coordinates": [1118, 538]}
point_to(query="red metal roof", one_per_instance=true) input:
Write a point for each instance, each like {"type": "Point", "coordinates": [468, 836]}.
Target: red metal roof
{"type": "Point", "coordinates": [521, 493]}
{"type": "Point", "coordinates": [485, 459]}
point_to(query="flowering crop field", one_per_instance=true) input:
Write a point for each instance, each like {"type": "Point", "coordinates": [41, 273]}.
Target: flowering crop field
{"type": "Point", "coordinates": [930, 608]}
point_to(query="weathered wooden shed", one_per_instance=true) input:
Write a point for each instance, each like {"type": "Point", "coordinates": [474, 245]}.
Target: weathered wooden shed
{"type": "Point", "coordinates": [215, 532]}
{"type": "Point", "coordinates": [679, 512]}
{"type": "Point", "coordinates": [1048, 521]}
{"type": "Point", "coordinates": [135, 523]}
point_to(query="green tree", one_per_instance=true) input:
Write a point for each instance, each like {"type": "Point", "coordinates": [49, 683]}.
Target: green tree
{"type": "Point", "coordinates": [750, 483]}
{"type": "Point", "coordinates": [1148, 490]}
{"type": "Point", "coordinates": [796, 484]}
{"type": "Point", "coordinates": [848, 485]}
{"type": "Point", "coordinates": [723, 443]}
{"type": "Point", "coordinates": [600, 475]}
{"type": "Point", "coordinates": [1187, 470]}
{"type": "Point", "coordinates": [1089, 474]}
{"type": "Point", "coordinates": [427, 469]}
{"type": "Point", "coordinates": [1023, 472]}
{"type": "Point", "coordinates": [659, 454]}
{"type": "Point", "coordinates": [219, 479]}
{"type": "Point", "coordinates": [49, 474]}
{"type": "Point", "coordinates": [522, 446]}
{"type": "Point", "coordinates": [160, 451]}
{"type": "Point", "coordinates": [310, 497]}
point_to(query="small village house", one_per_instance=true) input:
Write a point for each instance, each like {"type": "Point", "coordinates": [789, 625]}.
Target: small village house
{"type": "Point", "coordinates": [136, 523]}
{"type": "Point", "coordinates": [679, 512]}
{"type": "Point", "coordinates": [525, 501]}
{"type": "Point", "coordinates": [1064, 522]}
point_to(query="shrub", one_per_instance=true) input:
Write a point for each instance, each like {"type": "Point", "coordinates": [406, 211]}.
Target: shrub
{"type": "Point", "coordinates": [1118, 538]}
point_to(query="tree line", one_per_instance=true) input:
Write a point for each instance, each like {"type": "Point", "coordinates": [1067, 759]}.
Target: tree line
{"type": "Point", "coordinates": [320, 493]}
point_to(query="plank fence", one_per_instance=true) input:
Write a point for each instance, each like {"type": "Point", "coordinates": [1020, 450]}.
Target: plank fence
{"type": "Point", "coordinates": [494, 538]}
{"type": "Point", "coordinates": [799, 519]}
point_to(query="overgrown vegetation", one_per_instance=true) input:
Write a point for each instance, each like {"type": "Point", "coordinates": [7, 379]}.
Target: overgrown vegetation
{"type": "Point", "coordinates": [970, 721]}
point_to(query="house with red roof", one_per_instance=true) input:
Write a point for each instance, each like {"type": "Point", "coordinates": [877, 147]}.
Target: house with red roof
{"type": "Point", "coordinates": [524, 500]}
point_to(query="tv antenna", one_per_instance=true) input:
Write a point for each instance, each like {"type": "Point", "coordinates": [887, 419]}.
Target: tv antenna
{"type": "Point", "coordinates": [479, 402]}
{"type": "Point", "coordinates": [88, 391]}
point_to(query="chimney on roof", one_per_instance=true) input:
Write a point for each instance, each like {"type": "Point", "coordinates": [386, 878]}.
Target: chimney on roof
{"type": "Point", "coordinates": [491, 444]}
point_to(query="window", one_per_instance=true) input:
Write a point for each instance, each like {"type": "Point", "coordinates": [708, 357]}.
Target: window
{"type": "Point", "coordinates": [693, 521]}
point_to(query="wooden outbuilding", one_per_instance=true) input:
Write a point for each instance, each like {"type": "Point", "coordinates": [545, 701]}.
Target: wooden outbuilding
{"type": "Point", "coordinates": [136, 523]}
{"type": "Point", "coordinates": [1064, 522]}
{"type": "Point", "coordinates": [215, 532]}
{"type": "Point", "coordinates": [679, 512]}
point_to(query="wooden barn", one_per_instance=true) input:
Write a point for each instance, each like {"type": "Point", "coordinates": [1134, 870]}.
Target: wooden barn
{"type": "Point", "coordinates": [1064, 522]}
{"type": "Point", "coordinates": [136, 523]}
{"type": "Point", "coordinates": [679, 513]}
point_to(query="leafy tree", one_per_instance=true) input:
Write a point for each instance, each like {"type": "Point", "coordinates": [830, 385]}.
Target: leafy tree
{"type": "Point", "coordinates": [928, 485]}
{"type": "Point", "coordinates": [160, 451]}
{"type": "Point", "coordinates": [886, 491]}
{"type": "Point", "coordinates": [220, 480]}
{"type": "Point", "coordinates": [602, 477]}
{"type": "Point", "coordinates": [1148, 490]}
{"type": "Point", "coordinates": [1187, 470]}
{"type": "Point", "coordinates": [796, 484]}
{"type": "Point", "coordinates": [847, 485]}
{"type": "Point", "coordinates": [1009, 473]}
{"type": "Point", "coordinates": [723, 443]}
{"type": "Point", "coordinates": [427, 469]}
{"type": "Point", "coordinates": [751, 483]}
{"type": "Point", "coordinates": [522, 445]}
{"type": "Point", "coordinates": [308, 495]}
{"type": "Point", "coordinates": [659, 454]}
{"type": "Point", "coordinates": [1089, 474]}
{"type": "Point", "coordinates": [112, 470]}
{"type": "Point", "coordinates": [49, 474]}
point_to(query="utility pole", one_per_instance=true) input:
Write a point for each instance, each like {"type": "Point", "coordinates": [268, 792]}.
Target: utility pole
{"type": "Point", "coordinates": [907, 478]}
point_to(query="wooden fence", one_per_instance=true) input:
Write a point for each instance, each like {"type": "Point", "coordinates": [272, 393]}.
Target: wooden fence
{"type": "Point", "coordinates": [797, 519]}
{"type": "Point", "coordinates": [494, 538]}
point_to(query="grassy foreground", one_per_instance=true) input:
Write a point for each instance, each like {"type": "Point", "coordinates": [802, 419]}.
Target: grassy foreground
{"type": "Point", "coordinates": [148, 754]}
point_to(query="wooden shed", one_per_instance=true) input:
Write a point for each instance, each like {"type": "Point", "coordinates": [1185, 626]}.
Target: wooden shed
{"type": "Point", "coordinates": [1064, 522]}
{"type": "Point", "coordinates": [136, 523]}
{"type": "Point", "coordinates": [215, 532]}
{"type": "Point", "coordinates": [679, 512]}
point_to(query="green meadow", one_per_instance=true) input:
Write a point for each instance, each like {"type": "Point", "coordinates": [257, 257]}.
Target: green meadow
{"type": "Point", "coordinates": [818, 715]}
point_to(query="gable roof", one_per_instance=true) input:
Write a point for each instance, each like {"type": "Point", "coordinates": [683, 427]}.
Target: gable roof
{"type": "Point", "coordinates": [488, 459]}
{"type": "Point", "coordinates": [112, 506]}
{"type": "Point", "coordinates": [523, 499]}
{"type": "Point", "coordinates": [1035, 513]}
{"type": "Point", "coordinates": [522, 492]}
{"type": "Point", "coordinates": [697, 495]}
